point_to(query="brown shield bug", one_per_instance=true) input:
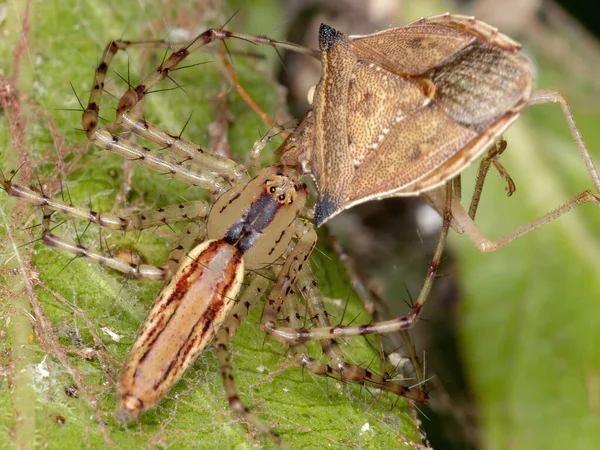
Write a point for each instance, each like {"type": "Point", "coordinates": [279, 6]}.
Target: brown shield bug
{"type": "Point", "coordinates": [402, 111]}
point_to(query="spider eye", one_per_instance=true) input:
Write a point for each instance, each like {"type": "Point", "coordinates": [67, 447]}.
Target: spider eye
{"type": "Point", "coordinates": [281, 197]}
{"type": "Point", "coordinates": [272, 189]}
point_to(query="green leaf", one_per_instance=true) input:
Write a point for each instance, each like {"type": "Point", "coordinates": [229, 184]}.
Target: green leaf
{"type": "Point", "coordinates": [56, 310]}
{"type": "Point", "coordinates": [530, 321]}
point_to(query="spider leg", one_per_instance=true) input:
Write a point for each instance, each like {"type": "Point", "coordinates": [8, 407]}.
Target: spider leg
{"type": "Point", "coordinates": [292, 269]}
{"type": "Point", "coordinates": [336, 366]}
{"type": "Point", "coordinates": [235, 403]}
{"type": "Point", "coordinates": [139, 221]}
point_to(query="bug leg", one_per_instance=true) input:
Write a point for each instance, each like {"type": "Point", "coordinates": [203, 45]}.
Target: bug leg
{"type": "Point", "coordinates": [292, 268]}
{"type": "Point", "coordinates": [462, 221]}
{"type": "Point", "coordinates": [465, 222]}
{"type": "Point", "coordinates": [547, 96]}
{"type": "Point", "coordinates": [235, 403]}
{"type": "Point", "coordinates": [484, 167]}
{"type": "Point", "coordinates": [478, 239]}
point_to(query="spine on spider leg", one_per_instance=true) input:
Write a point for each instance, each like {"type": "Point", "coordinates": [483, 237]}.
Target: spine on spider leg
{"type": "Point", "coordinates": [285, 280]}
{"type": "Point", "coordinates": [140, 221]}
{"type": "Point", "coordinates": [336, 366]}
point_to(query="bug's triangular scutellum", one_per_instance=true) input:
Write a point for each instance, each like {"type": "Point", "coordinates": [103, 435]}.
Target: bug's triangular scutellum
{"type": "Point", "coordinates": [402, 111]}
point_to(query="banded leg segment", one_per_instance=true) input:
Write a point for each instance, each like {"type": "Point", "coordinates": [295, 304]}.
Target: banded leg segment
{"type": "Point", "coordinates": [135, 95]}
{"type": "Point", "coordinates": [199, 167]}
{"type": "Point", "coordinates": [191, 152]}
{"type": "Point", "coordinates": [285, 281]}
{"type": "Point", "coordinates": [233, 397]}
{"type": "Point", "coordinates": [337, 367]}
{"type": "Point", "coordinates": [256, 288]}
{"type": "Point", "coordinates": [144, 271]}
{"type": "Point", "coordinates": [139, 221]}
{"type": "Point", "coordinates": [192, 234]}
{"type": "Point", "coordinates": [163, 164]}
{"type": "Point", "coordinates": [262, 142]}
{"type": "Point", "coordinates": [289, 276]}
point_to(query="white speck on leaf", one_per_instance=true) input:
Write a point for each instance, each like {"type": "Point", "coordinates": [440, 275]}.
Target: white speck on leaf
{"type": "Point", "coordinates": [114, 336]}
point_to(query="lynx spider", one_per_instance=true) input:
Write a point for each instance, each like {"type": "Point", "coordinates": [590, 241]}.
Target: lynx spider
{"type": "Point", "coordinates": [216, 174]}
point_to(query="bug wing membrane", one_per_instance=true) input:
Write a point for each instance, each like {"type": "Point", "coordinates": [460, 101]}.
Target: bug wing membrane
{"type": "Point", "coordinates": [182, 321]}
{"type": "Point", "coordinates": [421, 103]}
